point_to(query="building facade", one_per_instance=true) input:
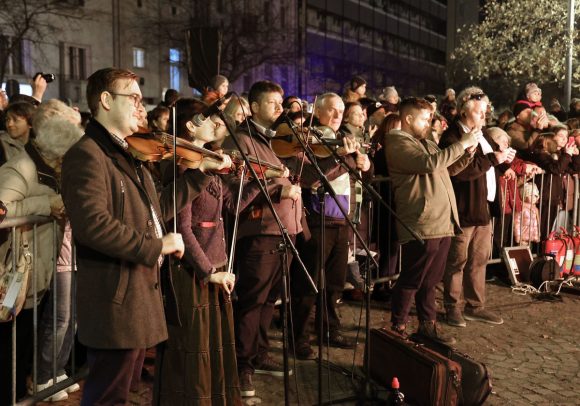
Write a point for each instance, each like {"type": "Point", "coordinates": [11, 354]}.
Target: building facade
{"type": "Point", "coordinates": [308, 46]}
{"type": "Point", "coordinates": [103, 33]}
{"type": "Point", "coordinates": [388, 42]}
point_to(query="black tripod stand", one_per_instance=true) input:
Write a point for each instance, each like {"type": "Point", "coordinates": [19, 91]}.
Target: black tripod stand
{"type": "Point", "coordinates": [367, 393]}
{"type": "Point", "coordinates": [286, 244]}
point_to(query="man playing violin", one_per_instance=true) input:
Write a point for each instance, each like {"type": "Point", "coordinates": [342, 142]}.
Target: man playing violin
{"type": "Point", "coordinates": [117, 222]}
{"type": "Point", "coordinates": [258, 262]}
{"type": "Point", "coordinates": [329, 110]}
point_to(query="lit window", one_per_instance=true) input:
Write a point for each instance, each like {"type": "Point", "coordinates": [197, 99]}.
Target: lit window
{"type": "Point", "coordinates": [138, 57]}
{"type": "Point", "coordinates": [174, 72]}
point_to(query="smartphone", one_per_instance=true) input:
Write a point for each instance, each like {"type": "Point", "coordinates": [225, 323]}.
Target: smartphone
{"type": "Point", "coordinates": [571, 141]}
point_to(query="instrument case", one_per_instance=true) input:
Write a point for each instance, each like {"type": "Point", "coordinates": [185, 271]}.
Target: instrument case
{"type": "Point", "coordinates": [475, 378]}
{"type": "Point", "coordinates": [427, 378]}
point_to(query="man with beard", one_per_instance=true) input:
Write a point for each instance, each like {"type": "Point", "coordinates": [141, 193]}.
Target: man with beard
{"type": "Point", "coordinates": [425, 201]}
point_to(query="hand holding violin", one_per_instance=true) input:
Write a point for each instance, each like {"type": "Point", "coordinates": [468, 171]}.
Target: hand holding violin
{"type": "Point", "coordinates": [209, 163]}
{"type": "Point", "coordinates": [349, 145]}
{"type": "Point", "coordinates": [276, 173]}
{"type": "Point", "coordinates": [293, 192]}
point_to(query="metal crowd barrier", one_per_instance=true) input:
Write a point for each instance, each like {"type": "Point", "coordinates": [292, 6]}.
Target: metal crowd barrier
{"type": "Point", "coordinates": [32, 222]}
{"type": "Point", "coordinates": [553, 215]}
{"type": "Point", "coordinates": [566, 215]}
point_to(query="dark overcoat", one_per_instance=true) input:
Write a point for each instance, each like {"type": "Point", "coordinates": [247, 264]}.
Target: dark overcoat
{"type": "Point", "coordinates": [108, 198]}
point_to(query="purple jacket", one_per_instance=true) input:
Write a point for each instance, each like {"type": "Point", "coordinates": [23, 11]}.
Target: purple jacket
{"type": "Point", "coordinates": [202, 227]}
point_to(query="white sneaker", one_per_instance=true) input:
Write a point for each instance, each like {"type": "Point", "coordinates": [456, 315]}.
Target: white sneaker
{"type": "Point", "coordinates": [75, 387]}
{"type": "Point", "coordinates": [58, 396]}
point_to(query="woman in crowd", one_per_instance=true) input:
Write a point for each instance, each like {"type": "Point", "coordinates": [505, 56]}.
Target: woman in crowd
{"type": "Point", "coordinates": [31, 186]}
{"type": "Point", "coordinates": [551, 152]}
{"type": "Point", "coordinates": [237, 110]}
{"type": "Point", "coordinates": [18, 130]}
{"type": "Point", "coordinates": [354, 120]}
{"type": "Point", "coordinates": [357, 88]}
{"type": "Point", "coordinates": [158, 119]}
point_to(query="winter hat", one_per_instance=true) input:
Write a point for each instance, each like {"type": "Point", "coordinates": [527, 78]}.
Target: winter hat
{"type": "Point", "coordinates": [530, 88]}
{"type": "Point", "coordinates": [356, 82]}
{"type": "Point", "coordinates": [520, 106]}
{"type": "Point", "coordinates": [217, 81]}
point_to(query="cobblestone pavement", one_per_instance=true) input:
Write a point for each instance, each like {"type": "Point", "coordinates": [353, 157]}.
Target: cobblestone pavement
{"type": "Point", "coordinates": [534, 357]}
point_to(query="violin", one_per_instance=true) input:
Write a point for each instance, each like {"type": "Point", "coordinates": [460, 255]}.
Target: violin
{"type": "Point", "coordinates": [285, 145]}
{"type": "Point", "coordinates": [158, 146]}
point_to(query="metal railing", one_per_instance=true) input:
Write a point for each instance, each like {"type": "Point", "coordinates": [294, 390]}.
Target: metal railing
{"type": "Point", "coordinates": [32, 223]}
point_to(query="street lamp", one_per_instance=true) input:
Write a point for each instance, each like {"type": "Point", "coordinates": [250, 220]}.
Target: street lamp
{"type": "Point", "coordinates": [568, 89]}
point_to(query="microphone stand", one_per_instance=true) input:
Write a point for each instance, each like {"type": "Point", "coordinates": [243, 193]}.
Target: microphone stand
{"type": "Point", "coordinates": [369, 189]}
{"type": "Point", "coordinates": [286, 244]}
{"type": "Point", "coordinates": [367, 390]}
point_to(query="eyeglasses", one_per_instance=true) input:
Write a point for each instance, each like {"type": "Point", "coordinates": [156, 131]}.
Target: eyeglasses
{"type": "Point", "coordinates": [476, 96]}
{"type": "Point", "coordinates": [136, 98]}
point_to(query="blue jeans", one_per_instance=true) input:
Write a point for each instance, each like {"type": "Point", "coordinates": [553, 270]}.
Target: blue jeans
{"type": "Point", "coordinates": [63, 339]}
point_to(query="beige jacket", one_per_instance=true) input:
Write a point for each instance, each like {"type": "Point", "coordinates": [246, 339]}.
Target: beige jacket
{"type": "Point", "coordinates": [424, 197]}
{"type": "Point", "coordinates": [24, 196]}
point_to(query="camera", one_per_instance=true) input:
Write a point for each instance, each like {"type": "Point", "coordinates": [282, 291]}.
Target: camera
{"type": "Point", "coordinates": [49, 77]}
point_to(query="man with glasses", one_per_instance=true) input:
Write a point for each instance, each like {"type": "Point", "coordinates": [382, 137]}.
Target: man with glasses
{"type": "Point", "coordinates": [117, 222]}
{"type": "Point", "coordinates": [475, 188]}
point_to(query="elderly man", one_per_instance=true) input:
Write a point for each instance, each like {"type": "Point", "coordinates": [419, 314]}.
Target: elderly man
{"type": "Point", "coordinates": [329, 111]}
{"type": "Point", "coordinates": [117, 223]}
{"type": "Point", "coordinates": [475, 188]}
{"type": "Point", "coordinates": [425, 201]}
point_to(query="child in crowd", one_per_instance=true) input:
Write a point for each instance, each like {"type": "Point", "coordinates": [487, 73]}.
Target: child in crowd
{"type": "Point", "coordinates": [526, 222]}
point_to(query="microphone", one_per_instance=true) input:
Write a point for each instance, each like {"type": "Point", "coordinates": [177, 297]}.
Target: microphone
{"type": "Point", "coordinates": [214, 108]}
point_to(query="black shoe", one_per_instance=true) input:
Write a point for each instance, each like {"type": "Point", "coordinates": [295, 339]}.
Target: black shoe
{"type": "Point", "coordinates": [381, 294]}
{"type": "Point", "coordinates": [430, 329]}
{"type": "Point", "coordinates": [269, 366]}
{"type": "Point", "coordinates": [246, 386]}
{"type": "Point", "coordinates": [303, 351]}
{"type": "Point", "coordinates": [338, 340]}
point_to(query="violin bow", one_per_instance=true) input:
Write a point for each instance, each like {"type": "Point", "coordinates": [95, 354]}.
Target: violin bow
{"type": "Point", "coordinates": [174, 124]}
{"type": "Point", "coordinates": [299, 176]}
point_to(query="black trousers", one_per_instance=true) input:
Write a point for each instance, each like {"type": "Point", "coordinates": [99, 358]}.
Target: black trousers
{"type": "Point", "coordinates": [422, 269]}
{"type": "Point", "coordinates": [112, 374]}
{"type": "Point", "coordinates": [259, 270]}
{"type": "Point", "coordinates": [336, 241]}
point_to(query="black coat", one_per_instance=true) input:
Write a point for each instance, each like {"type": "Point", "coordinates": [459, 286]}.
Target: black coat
{"type": "Point", "coordinates": [470, 185]}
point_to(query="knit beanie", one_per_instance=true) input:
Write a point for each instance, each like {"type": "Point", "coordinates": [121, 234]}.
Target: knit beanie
{"type": "Point", "coordinates": [356, 82]}
{"type": "Point", "coordinates": [531, 87]}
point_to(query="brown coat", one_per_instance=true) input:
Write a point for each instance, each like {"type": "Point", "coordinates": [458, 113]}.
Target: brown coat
{"type": "Point", "coordinates": [257, 219]}
{"type": "Point", "coordinates": [119, 299]}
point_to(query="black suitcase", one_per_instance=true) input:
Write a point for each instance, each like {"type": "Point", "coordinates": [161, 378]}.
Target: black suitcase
{"type": "Point", "coordinates": [426, 377]}
{"type": "Point", "coordinates": [475, 378]}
